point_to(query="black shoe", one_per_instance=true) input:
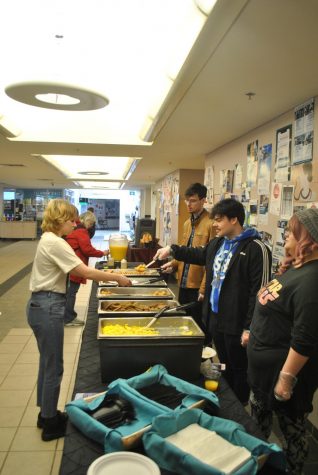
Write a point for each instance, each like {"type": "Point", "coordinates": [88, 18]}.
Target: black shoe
{"type": "Point", "coordinates": [40, 421]}
{"type": "Point", "coordinates": [54, 427]}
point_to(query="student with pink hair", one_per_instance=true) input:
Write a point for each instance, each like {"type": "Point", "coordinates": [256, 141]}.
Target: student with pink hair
{"type": "Point", "coordinates": [283, 344]}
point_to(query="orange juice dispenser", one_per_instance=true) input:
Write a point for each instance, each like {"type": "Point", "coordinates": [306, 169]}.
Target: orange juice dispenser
{"type": "Point", "coordinates": [118, 245]}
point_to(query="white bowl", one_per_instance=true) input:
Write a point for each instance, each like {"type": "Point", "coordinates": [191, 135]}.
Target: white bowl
{"type": "Point", "coordinates": [123, 463]}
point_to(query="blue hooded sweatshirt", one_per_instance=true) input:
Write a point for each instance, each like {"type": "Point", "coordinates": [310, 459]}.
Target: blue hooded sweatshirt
{"type": "Point", "coordinates": [222, 261]}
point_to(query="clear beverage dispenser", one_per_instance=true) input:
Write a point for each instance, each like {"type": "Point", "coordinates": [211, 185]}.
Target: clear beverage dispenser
{"type": "Point", "coordinates": [118, 245]}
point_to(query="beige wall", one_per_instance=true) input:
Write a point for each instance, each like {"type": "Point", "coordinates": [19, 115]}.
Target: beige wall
{"type": "Point", "coordinates": [236, 152]}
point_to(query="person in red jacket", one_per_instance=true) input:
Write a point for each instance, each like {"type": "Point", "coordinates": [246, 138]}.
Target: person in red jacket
{"type": "Point", "coordinates": [80, 242]}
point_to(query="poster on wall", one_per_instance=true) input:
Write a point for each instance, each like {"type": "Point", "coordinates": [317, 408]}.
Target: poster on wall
{"type": "Point", "coordinates": [175, 195]}
{"type": "Point", "coordinates": [263, 209]}
{"type": "Point", "coordinates": [253, 213]}
{"type": "Point", "coordinates": [245, 193]}
{"type": "Point", "coordinates": [304, 132]}
{"type": "Point", "coordinates": [209, 183]}
{"type": "Point", "coordinates": [267, 239]}
{"type": "Point", "coordinates": [167, 228]}
{"type": "Point", "coordinates": [275, 198]}
{"type": "Point", "coordinates": [286, 209]}
{"type": "Point", "coordinates": [167, 194]}
{"type": "Point", "coordinates": [299, 208]}
{"type": "Point", "coordinates": [302, 179]}
{"type": "Point", "coordinates": [264, 169]}
{"type": "Point", "coordinates": [238, 176]}
{"type": "Point", "coordinates": [283, 154]}
{"type": "Point", "coordinates": [251, 174]}
{"type": "Point", "coordinates": [177, 198]}
{"type": "Point", "coordinates": [226, 181]}
{"type": "Point", "coordinates": [278, 249]}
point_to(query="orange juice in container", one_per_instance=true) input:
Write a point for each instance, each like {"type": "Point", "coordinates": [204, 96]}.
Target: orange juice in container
{"type": "Point", "coordinates": [118, 245]}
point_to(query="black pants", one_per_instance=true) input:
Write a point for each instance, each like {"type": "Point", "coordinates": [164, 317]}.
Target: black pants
{"type": "Point", "coordinates": [191, 295]}
{"type": "Point", "coordinates": [293, 428]}
{"type": "Point", "coordinates": [231, 352]}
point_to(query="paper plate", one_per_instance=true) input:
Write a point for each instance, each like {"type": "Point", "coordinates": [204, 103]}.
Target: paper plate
{"type": "Point", "coordinates": [123, 463]}
{"type": "Point", "coordinates": [208, 352]}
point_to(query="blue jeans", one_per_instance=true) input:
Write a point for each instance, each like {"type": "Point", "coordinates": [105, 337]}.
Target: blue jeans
{"type": "Point", "coordinates": [45, 312]}
{"type": "Point", "coordinates": [72, 290]}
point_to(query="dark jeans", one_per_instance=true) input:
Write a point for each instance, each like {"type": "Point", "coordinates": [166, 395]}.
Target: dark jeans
{"type": "Point", "coordinates": [45, 312]}
{"type": "Point", "coordinates": [191, 295]}
{"type": "Point", "coordinates": [72, 290]}
{"type": "Point", "coordinates": [231, 352]}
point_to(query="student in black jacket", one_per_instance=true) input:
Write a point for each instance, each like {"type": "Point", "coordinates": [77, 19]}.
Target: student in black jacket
{"type": "Point", "coordinates": [237, 265]}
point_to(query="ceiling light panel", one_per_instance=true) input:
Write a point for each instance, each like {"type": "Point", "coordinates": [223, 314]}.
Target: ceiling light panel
{"type": "Point", "coordinates": [128, 51]}
{"type": "Point", "coordinates": [101, 185]}
{"type": "Point", "coordinates": [78, 167]}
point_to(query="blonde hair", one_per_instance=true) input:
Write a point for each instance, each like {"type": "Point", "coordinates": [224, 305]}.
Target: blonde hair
{"type": "Point", "coordinates": [87, 219]}
{"type": "Point", "coordinates": [56, 213]}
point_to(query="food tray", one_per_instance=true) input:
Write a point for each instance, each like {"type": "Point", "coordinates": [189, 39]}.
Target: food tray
{"type": "Point", "coordinates": [139, 282]}
{"type": "Point", "coordinates": [135, 293]}
{"type": "Point", "coordinates": [172, 327]}
{"type": "Point", "coordinates": [105, 307]}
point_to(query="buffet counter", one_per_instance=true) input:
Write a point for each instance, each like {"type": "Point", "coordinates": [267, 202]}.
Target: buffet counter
{"type": "Point", "coordinates": [18, 230]}
{"type": "Point", "coordinates": [79, 451]}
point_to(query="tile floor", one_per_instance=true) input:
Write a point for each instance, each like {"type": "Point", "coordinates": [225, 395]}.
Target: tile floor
{"type": "Point", "coordinates": [22, 452]}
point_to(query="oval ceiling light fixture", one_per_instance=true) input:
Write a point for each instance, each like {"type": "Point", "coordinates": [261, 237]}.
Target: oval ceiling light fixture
{"type": "Point", "coordinates": [57, 99]}
{"type": "Point", "coordinates": [59, 96]}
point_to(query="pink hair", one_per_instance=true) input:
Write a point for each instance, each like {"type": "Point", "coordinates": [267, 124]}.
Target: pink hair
{"type": "Point", "coordinates": [305, 246]}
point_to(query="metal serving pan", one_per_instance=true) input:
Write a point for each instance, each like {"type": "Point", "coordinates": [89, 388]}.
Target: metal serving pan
{"type": "Point", "coordinates": [172, 327]}
{"type": "Point", "coordinates": [105, 307]}
{"type": "Point", "coordinates": [134, 273]}
{"type": "Point", "coordinates": [135, 293]}
{"type": "Point", "coordinates": [139, 282]}
{"type": "Point", "coordinates": [174, 342]}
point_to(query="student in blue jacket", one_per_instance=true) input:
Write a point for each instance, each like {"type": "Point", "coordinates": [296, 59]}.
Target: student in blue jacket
{"type": "Point", "coordinates": [237, 265]}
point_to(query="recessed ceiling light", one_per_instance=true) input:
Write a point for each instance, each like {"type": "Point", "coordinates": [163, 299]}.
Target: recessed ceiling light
{"type": "Point", "coordinates": [93, 173]}
{"type": "Point", "coordinates": [51, 95]}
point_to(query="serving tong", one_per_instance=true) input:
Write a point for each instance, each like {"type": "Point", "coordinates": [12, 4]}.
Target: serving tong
{"type": "Point", "coordinates": [150, 281]}
{"type": "Point", "coordinates": [167, 308]}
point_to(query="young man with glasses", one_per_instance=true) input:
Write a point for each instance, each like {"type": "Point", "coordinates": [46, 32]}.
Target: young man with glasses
{"type": "Point", "coordinates": [197, 231]}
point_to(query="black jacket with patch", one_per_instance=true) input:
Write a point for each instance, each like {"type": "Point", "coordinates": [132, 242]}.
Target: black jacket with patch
{"type": "Point", "coordinates": [248, 271]}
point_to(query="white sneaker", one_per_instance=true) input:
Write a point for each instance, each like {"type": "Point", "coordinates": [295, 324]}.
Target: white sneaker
{"type": "Point", "coordinates": [75, 323]}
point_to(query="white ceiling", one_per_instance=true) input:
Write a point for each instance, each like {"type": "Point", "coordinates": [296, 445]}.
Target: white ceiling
{"type": "Point", "coordinates": [263, 46]}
